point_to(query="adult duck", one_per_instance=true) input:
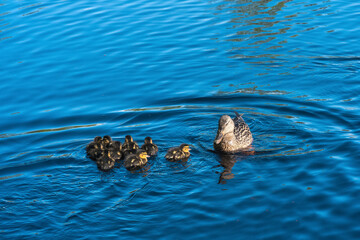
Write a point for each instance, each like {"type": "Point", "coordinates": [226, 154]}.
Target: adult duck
{"type": "Point", "coordinates": [233, 135]}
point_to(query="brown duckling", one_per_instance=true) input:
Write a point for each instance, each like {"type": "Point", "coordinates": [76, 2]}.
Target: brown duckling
{"type": "Point", "coordinates": [95, 149]}
{"type": "Point", "coordinates": [129, 146]}
{"type": "Point", "coordinates": [105, 162]}
{"type": "Point", "coordinates": [106, 140]}
{"type": "Point", "coordinates": [149, 147]}
{"type": "Point", "coordinates": [115, 148]}
{"type": "Point", "coordinates": [178, 153]}
{"type": "Point", "coordinates": [136, 161]}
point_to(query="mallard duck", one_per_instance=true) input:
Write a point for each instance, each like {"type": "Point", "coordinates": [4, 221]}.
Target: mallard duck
{"type": "Point", "coordinates": [149, 146]}
{"type": "Point", "coordinates": [115, 148]}
{"type": "Point", "coordinates": [105, 162]}
{"type": "Point", "coordinates": [136, 161]}
{"type": "Point", "coordinates": [233, 134]}
{"type": "Point", "coordinates": [129, 146]}
{"type": "Point", "coordinates": [178, 153]}
{"type": "Point", "coordinates": [95, 149]}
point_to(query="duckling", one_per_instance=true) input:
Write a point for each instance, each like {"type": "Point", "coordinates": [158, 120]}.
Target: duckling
{"type": "Point", "coordinates": [178, 153]}
{"type": "Point", "coordinates": [95, 149]}
{"type": "Point", "coordinates": [115, 148]}
{"type": "Point", "coordinates": [136, 161]}
{"type": "Point", "coordinates": [97, 139]}
{"type": "Point", "coordinates": [106, 140]}
{"type": "Point", "coordinates": [129, 146]}
{"type": "Point", "coordinates": [105, 162]}
{"type": "Point", "coordinates": [149, 146]}
{"type": "Point", "coordinates": [233, 134]}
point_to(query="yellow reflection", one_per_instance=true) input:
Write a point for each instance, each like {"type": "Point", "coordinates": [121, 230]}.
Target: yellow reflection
{"type": "Point", "coordinates": [9, 177]}
{"type": "Point", "coordinates": [7, 135]}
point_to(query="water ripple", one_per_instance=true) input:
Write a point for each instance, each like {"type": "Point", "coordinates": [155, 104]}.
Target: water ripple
{"type": "Point", "coordinates": [74, 70]}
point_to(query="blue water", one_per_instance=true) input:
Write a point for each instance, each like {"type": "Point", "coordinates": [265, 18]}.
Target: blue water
{"type": "Point", "coordinates": [72, 70]}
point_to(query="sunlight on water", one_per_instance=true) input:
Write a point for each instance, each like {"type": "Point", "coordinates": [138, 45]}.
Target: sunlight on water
{"type": "Point", "coordinates": [73, 70]}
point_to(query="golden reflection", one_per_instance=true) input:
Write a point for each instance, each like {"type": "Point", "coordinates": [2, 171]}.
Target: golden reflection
{"type": "Point", "coordinates": [4, 24]}
{"type": "Point", "coordinates": [293, 152]}
{"type": "Point", "coordinates": [255, 23]}
{"type": "Point", "coordinates": [7, 135]}
{"type": "Point", "coordinates": [9, 177]}
{"type": "Point", "coordinates": [165, 108]}
{"type": "Point", "coordinates": [23, 12]}
{"type": "Point", "coordinates": [265, 29]}
{"type": "Point", "coordinates": [30, 7]}
{"type": "Point", "coordinates": [255, 90]}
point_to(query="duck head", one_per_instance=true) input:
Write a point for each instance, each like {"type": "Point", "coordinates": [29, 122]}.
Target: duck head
{"type": "Point", "coordinates": [107, 139]}
{"type": "Point", "coordinates": [148, 140]}
{"type": "Point", "coordinates": [143, 154]}
{"type": "Point", "coordinates": [128, 138]}
{"type": "Point", "coordinates": [97, 139]}
{"type": "Point", "coordinates": [185, 147]}
{"type": "Point", "coordinates": [226, 125]}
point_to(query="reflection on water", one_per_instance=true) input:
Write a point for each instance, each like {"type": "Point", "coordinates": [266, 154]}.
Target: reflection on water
{"type": "Point", "coordinates": [169, 71]}
{"type": "Point", "coordinates": [227, 162]}
{"type": "Point", "coordinates": [20, 12]}
{"type": "Point", "coordinates": [7, 135]}
{"type": "Point", "coordinates": [266, 30]}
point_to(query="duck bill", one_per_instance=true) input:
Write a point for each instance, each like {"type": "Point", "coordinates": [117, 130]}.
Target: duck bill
{"type": "Point", "coordinates": [218, 138]}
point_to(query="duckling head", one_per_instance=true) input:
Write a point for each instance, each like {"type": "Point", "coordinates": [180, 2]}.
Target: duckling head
{"type": "Point", "coordinates": [148, 140]}
{"type": "Point", "coordinates": [107, 139]}
{"type": "Point", "coordinates": [128, 138]}
{"type": "Point", "coordinates": [226, 125]}
{"type": "Point", "coordinates": [143, 154]}
{"type": "Point", "coordinates": [185, 147]}
{"type": "Point", "coordinates": [97, 139]}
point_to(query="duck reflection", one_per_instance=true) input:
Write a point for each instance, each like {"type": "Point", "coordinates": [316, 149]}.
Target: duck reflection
{"type": "Point", "coordinates": [227, 161]}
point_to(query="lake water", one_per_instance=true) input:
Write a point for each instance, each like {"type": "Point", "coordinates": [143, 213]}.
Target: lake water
{"type": "Point", "coordinates": [72, 70]}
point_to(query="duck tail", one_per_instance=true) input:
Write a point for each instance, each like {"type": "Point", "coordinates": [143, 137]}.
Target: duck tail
{"type": "Point", "coordinates": [238, 114]}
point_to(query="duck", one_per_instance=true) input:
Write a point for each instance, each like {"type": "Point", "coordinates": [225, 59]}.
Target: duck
{"type": "Point", "coordinates": [233, 135]}
{"type": "Point", "coordinates": [129, 146]}
{"type": "Point", "coordinates": [95, 149]}
{"type": "Point", "coordinates": [150, 147]}
{"type": "Point", "coordinates": [105, 162]}
{"type": "Point", "coordinates": [115, 150]}
{"type": "Point", "coordinates": [136, 161]}
{"type": "Point", "coordinates": [178, 153]}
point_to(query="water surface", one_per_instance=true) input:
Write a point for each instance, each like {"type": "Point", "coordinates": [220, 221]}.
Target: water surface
{"type": "Point", "coordinates": [169, 69]}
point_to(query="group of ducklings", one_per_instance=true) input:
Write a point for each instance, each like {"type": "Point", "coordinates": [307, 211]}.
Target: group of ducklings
{"type": "Point", "coordinates": [233, 135]}
{"type": "Point", "coordinates": [107, 152]}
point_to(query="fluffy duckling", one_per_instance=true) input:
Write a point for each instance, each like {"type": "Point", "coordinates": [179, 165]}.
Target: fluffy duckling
{"type": "Point", "coordinates": [95, 149]}
{"type": "Point", "coordinates": [129, 146]}
{"type": "Point", "coordinates": [178, 153]}
{"type": "Point", "coordinates": [115, 148]}
{"type": "Point", "coordinates": [106, 140]}
{"type": "Point", "coordinates": [105, 162]}
{"type": "Point", "coordinates": [149, 146]}
{"type": "Point", "coordinates": [136, 161]}
{"type": "Point", "coordinates": [233, 134]}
